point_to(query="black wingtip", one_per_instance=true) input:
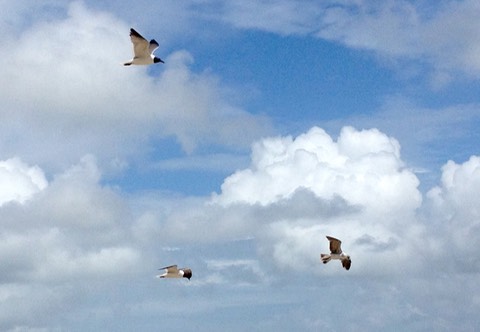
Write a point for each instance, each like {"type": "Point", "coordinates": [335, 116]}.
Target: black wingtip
{"type": "Point", "coordinates": [133, 32]}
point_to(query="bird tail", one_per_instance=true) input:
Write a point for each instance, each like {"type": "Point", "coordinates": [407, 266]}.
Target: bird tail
{"type": "Point", "coordinates": [325, 258]}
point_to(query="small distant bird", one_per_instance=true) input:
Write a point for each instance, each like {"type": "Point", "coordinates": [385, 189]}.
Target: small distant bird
{"type": "Point", "coordinates": [143, 50]}
{"type": "Point", "coordinates": [174, 272]}
{"type": "Point", "coordinates": [336, 253]}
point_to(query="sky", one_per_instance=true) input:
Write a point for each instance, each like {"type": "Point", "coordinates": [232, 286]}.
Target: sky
{"type": "Point", "coordinates": [272, 124]}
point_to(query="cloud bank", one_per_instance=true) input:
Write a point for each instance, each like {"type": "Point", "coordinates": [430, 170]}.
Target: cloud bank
{"type": "Point", "coordinates": [74, 230]}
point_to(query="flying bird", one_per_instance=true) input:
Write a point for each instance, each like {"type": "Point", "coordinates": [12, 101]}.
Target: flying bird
{"type": "Point", "coordinates": [143, 50]}
{"type": "Point", "coordinates": [174, 272]}
{"type": "Point", "coordinates": [336, 253]}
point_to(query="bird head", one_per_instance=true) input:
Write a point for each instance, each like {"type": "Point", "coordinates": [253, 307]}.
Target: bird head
{"type": "Point", "coordinates": [187, 274]}
{"type": "Point", "coordinates": [157, 60]}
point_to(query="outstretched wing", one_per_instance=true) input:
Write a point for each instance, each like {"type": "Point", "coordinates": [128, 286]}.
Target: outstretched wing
{"type": "Point", "coordinates": [335, 245]}
{"type": "Point", "coordinates": [140, 44]}
{"type": "Point", "coordinates": [170, 269]}
{"type": "Point", "coordinates": [152, 46]}
{"type": "Point", "coordinates": [346, 262]}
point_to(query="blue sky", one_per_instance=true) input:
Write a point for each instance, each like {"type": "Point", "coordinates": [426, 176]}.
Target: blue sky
{"type": "Point", "coordinates": [271, 125]}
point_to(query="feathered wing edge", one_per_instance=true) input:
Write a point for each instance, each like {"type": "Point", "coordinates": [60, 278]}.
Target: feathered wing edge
{"type": "Point", "coordinates": [346, 263]}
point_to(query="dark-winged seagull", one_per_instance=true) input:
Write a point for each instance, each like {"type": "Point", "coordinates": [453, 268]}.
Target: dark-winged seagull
{"type": "Point", "coordinates": [143, 50]}
{"type": "Point", "coordinates": [336, 253]}
{"type": "Point", "coordinates": [173, 272]}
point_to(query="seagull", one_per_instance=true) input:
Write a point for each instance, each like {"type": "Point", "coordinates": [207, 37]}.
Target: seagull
{"type": "Point", "coordinates": [173, 272]}
{"type": "Point", "coordinates": [143, 50]}
{"type": "Point", "coordinates": [336, 253]}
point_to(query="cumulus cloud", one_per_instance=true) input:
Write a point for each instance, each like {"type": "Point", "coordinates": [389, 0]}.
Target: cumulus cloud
{"type": "Point", "coordinates": [72, 230]}
{"type": "Point", "coordinates": [68, 239]}
{"type": "Point", "coordinates": [362, 167]}
{"type": "Point", "coordinates": [297, 190]}
{"type": "Point", "coordinates": [454, 214]}
{"type": "Point", "coordinates": [355, 187]}
{"type": "Point", "coordinates": [419, 127]}
{"type": "Point", "coordinates": [19, 182]}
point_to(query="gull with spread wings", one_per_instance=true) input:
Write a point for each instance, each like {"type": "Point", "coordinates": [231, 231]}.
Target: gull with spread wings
{"type": "Point", "coordinates": [336, 253]}
{"type": "Point", "coordinates": [143, 50]}
{"type": "Point", "coordinates": [173, 272]}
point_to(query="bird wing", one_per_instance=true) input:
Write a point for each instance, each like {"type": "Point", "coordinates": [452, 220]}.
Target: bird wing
{"type": "Point", "coordinates": [335, 245]}
{"type": "Point", "coordinates": [140, 44]}
{"type": "Point", "coordinates": [170, 269]}
{"type": "Point", "coordinates": [346, 262]}
{"type": "Point", "coordinates": [152, 46]}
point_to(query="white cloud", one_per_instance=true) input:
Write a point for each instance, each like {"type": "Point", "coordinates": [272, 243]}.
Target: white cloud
{"type": "Point", "coordinates": [440, 34]}
{"type": "Point", "coordinates": [69, 93]}
{"type": "Point", "coordinates": [76, 243]}
{"type": "Point", "coordinates": [19, 182]}
{"type": "Point", "coordinates": [194, 110]}
{"type": "Point", "coordinates": [362, 167]}
{"type": "Point", "coordinates": [419, 127]}
{"type": "Point", "coordinates": [72, 231]}
{"type": "Point", "coordinates": [405, 30]}
{"type": "Point", "coordinates": [78, 236]}
{"type": "Point", "coordinates": [284, 17]}
{"type": "Point", "coordinates": [297, 190]}
{"type": "Point", "coordinates": [454, 213]}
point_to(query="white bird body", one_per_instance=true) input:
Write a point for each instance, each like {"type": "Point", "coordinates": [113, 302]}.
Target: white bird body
{"type": "Point", "coordinates": [174, 272]}
{"type": "Point", "coordinates": [142, 50]}
{"type": "Point", "coordinates": [336, 253]}
{"type": "Point", "coordinates": [338, 256]}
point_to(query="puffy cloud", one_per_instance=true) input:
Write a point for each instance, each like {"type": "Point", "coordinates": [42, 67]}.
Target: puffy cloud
{"type": "Point", "coordinates": [76, 236]}
{"type": "Point", "coordinates": [19, 182]}
{"type": "Point", "coordinates": [454, 214]}
{"type": "Point", "coordinates": [297, 190]}
{"type": "Point", "coordinates": [459, 187]}
{"type": "Point", "coordinates": [73, 230]}
{"type": "Point", "coordinates": [73, 238]}
{"type": "Point", "coordinates": [418, 128]}
{"type": "Point", "coordinates": [355, 187]}
{"type": "Point", "coordinates": [363, 167]}
{"type": "Point", "coordinates": [68, 95]}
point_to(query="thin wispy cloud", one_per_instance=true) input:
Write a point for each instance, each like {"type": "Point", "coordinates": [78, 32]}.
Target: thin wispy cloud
{"type": "Point", "coordinates": [441, 35]}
